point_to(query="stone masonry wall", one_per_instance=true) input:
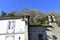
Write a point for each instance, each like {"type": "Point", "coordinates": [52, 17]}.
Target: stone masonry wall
{"type": "Point", "coordinates": [34, 31]}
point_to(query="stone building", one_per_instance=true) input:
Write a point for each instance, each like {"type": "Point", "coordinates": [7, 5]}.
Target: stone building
{"type": "Point", "coordinates": [38, 32]}
{"type": "Point", "coordinates": [25, 31]}
{"type": "Point", "coordinates": [13, 28]}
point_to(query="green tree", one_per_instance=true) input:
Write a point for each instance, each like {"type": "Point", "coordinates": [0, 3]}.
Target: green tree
{"type": "Point", "coordinates": [3, 13]}
{"type": "Point", "coordinates": [10, 15]}
{"type": "Point", "coordinates": [36, 17]}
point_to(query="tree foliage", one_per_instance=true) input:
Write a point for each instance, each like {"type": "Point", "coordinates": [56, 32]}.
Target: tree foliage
{"type": "Point", "coordinates": [10, 15]}
{"type": "Point", "coordinates": [3, 13]}
{"type": "Point", "coordinates": [36, 17]}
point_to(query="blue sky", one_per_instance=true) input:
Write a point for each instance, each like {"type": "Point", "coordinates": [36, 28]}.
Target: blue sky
{"type": "Point", "coordinates": [41, 5]}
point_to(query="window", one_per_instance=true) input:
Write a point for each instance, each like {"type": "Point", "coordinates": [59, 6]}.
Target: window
{"type": "Point", "coordinates": [19, 38]}
{"type": "Point", "coordinates": [40, 37]}
{"type": "Point", "coordinates": [11, 24]}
